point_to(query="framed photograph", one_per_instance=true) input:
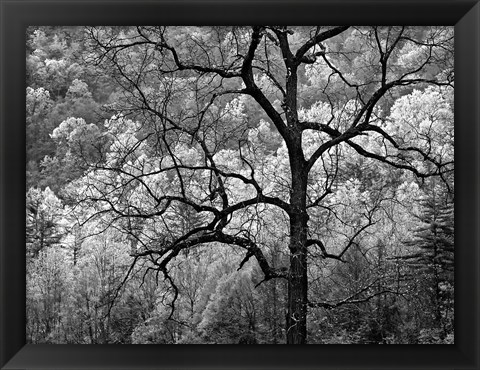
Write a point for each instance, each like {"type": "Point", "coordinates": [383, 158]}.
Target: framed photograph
{"type": "Point", "coordinates": [241, 172]}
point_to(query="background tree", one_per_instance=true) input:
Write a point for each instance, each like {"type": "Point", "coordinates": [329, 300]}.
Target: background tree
{"type": "Point", "coordinates": [432, 262]}
{"type": "Point", "coordinates": [44, 221]}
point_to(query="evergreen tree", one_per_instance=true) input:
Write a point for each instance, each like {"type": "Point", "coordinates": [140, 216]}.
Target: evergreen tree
{"type": "Point", "coordinates": [434, 261]}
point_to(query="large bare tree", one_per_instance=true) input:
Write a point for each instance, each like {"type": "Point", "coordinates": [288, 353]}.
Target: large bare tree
{"type": "Point", "coordinates": [201, 89]}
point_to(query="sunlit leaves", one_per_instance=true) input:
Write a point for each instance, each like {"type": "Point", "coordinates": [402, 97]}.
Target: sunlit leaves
{"type": "Point", "coordinates": [424, 119]}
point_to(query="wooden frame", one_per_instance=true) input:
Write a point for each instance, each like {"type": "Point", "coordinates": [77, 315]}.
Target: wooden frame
{"type": "Point", "coordinates": [17, 14]}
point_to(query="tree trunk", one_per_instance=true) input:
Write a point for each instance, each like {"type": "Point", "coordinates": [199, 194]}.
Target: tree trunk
{"type": "Point", "coordinates": [297, 299]}
{"type": "Point", "coordinates": [297, 280]}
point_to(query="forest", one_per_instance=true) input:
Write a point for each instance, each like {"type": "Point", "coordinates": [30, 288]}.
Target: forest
{"type": "Point", "coordinates": [240, 185]}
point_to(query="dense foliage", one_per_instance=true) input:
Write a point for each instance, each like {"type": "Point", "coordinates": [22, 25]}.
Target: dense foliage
{"type": "Point", "coordinates": [240, 185]}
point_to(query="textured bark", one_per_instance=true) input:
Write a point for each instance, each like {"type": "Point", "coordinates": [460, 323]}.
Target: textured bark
{"type": "Point", "coordinates": [297, 298]}
{"type": "Point", "coordinates": [296, 320]}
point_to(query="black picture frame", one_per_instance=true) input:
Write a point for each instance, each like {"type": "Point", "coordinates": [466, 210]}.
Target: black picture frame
{"type": "Point", "coordinates": [16, 15]}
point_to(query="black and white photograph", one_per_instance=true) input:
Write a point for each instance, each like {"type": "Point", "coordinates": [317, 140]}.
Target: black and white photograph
{"type": "Point", "coordinates": [240, 185]}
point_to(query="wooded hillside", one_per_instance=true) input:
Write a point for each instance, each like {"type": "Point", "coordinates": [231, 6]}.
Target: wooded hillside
{"type": "Point", "coordinates": [240, 185]}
